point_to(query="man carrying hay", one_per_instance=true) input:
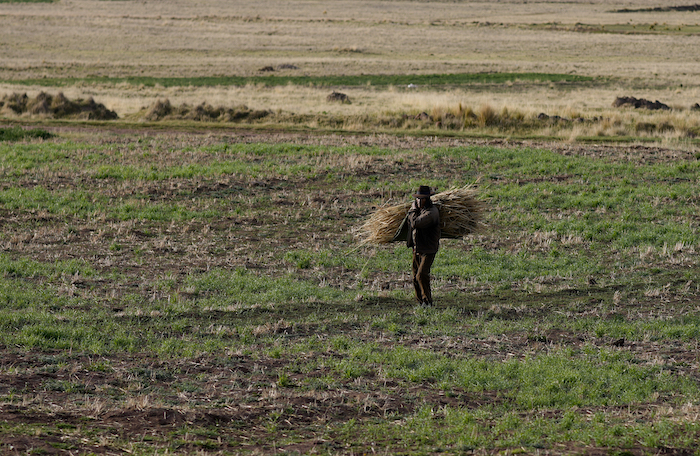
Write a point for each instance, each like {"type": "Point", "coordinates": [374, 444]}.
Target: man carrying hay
{"type": "Point", "coordinates": [424, 237]}
{"type": "Point", "coordinates": [451, 214]}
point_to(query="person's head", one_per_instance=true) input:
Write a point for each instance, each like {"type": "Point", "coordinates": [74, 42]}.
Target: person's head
{"type": "Point", "coordinates": [423, 196]}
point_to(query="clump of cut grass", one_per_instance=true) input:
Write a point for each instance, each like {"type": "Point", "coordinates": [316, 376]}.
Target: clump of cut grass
{"type": "Point", "coordinates": [461, 214]}
{"type": "Point", "coordinates": [54, 106]}
{"type": "Point", "coordinates": [382, 226]}
{"type": "Point", "coordinates": [204, 112]}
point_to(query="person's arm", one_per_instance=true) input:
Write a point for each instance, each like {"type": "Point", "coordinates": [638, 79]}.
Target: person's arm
{"type": "Point", "coordinates": [426, 218]}
{"type": "Point", "coordinates": [413, 213]}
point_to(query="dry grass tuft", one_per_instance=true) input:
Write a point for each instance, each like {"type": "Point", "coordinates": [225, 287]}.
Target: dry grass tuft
{"type": "Point", "coordinates": [461, 214]}
{"type": "Point", "coordinates": [486, 115]}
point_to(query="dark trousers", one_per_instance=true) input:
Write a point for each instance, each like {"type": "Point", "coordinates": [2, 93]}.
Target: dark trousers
{"type": "Point", "coordinates": [421, 276]}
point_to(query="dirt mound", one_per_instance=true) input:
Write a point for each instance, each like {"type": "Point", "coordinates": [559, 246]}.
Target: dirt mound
{"type": "Point", "coordinates": [338, 96]}
{"type": "Point", "coordinates": [55, 107]}
{"type": "Point", "coordinates": [661, 9]}
{"type": "Point", "coordinates": [164, 110]}
{"type": "Point", "coordinates": [640, 103]}
{"type": "Point", "coordinates": [424, 116]}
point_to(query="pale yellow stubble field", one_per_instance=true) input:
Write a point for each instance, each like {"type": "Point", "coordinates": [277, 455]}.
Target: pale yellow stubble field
{"type": "Point", "coordinates": [219, 37]}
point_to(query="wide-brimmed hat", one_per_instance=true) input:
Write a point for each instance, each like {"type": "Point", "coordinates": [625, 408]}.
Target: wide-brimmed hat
{"type": "Point", "coordinates": [424, 192]}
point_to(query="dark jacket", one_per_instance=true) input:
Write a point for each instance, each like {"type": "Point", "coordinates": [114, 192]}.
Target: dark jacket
{"type": "Point", "coordinates": [424, 233]}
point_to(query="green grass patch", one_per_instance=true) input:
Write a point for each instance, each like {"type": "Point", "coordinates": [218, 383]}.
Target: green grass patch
{"type": "Point", "coordinates": [19, 134]}
{"type": "Point", "coordinates": [434, 80]}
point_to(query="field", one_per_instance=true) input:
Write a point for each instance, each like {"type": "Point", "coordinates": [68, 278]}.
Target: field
{"type": "Point", "coordinates": [184, 279]}
{"type": "Point", "coordinates": [565, 60]}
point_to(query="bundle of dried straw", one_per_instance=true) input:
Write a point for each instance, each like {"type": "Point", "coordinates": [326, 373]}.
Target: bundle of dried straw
{"type": "Point", "coordinates": [460, 214]}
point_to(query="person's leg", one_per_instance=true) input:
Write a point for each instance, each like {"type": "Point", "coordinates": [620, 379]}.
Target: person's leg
{"type": "Point", "coordinates": [414, 276]}
{"type": "Point", "coordinates": [423, 276]}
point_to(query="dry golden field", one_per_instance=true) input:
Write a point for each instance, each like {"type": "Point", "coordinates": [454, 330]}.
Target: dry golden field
{"type": "Point", "coordinates": [646, 54]}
